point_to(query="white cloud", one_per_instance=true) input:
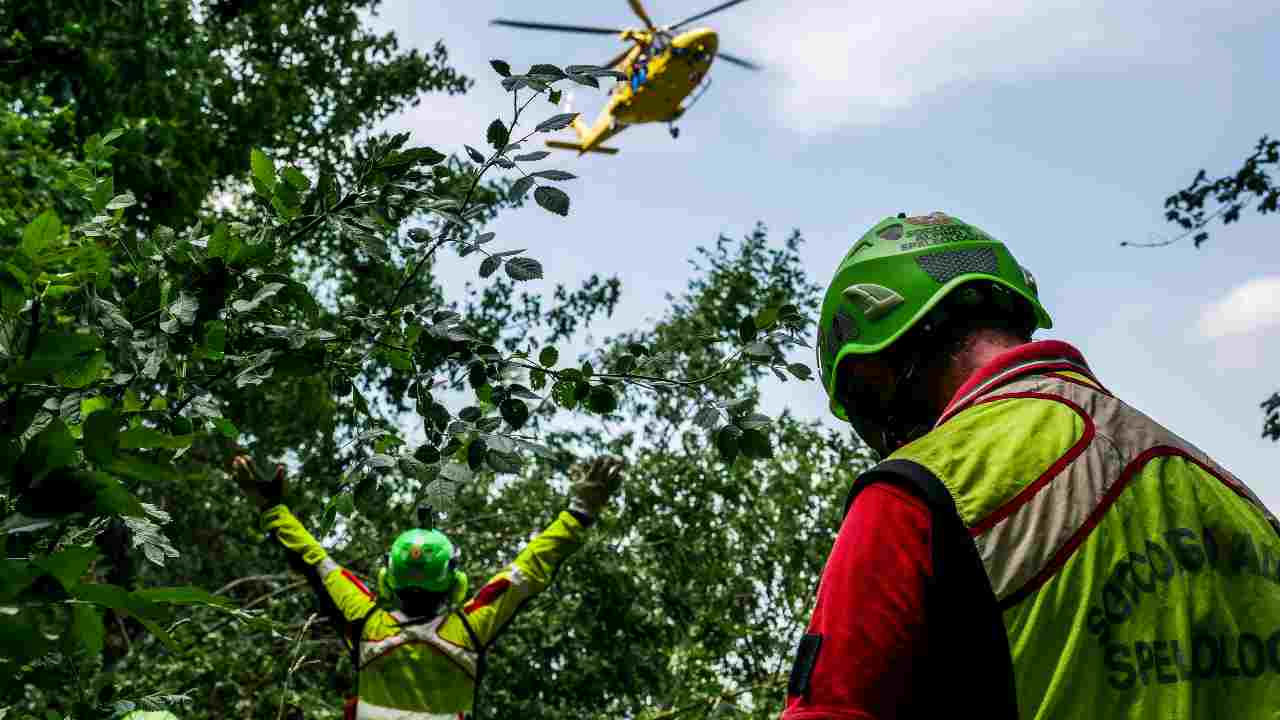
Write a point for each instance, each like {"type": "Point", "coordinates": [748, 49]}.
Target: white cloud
{"type": "Point", "coordinates": [1247, 309]}
{"type": "Point", "coordinates": [860, 64]}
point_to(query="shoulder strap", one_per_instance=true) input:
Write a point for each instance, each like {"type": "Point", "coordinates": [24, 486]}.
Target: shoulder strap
{"type": "Point", "coordinates": [968, 645]}
{"type": "Point", "coordinates": [481, 651]}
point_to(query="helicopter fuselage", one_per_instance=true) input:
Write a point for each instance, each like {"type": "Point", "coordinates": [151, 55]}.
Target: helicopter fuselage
{"type": "Point", "coordinates": [660, 76]}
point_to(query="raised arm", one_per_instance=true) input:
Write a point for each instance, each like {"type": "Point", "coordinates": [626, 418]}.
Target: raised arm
{"type": "Point", "coordinates": [342, 596]}
{"type": "Point", "coordinates": [493, 607]}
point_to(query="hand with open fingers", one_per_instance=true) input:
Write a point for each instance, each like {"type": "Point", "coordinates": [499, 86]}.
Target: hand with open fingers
{"type": "Point", "coordinates": [267, 493]}
{"type": "Point", "coordinates": [594, 483]}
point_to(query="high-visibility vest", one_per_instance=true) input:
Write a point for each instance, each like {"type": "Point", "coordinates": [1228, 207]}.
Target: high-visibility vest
{"type": "Point", "coordinates": [416, 667]}
{"type": "Point", "coordinates": [1135, 577]}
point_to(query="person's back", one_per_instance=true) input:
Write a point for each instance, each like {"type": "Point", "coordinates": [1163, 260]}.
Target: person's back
{"type": "Point", "coordinates": [1031, 546]}
{"type": "Point", "coordinates": [1133, 573]}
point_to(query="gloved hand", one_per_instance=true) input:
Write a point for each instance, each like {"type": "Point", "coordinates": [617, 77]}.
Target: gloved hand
{"type": "Point", "coordinates": [266, 493]}
{"type": "Point", "coordinates": [594, 483]}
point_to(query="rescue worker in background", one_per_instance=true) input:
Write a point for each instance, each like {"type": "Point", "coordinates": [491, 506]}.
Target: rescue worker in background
{"type": "Point", "coordinates": [425, 660]}
{"type": "Point", "coordinates": [1030, 546]}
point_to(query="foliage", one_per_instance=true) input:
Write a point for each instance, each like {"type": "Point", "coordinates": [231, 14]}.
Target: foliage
{"type": "Point", "coordinates": [298, 77]}
{"type": "Point", "coordinates": [133, 358]}
{"type": "Point", "coordinates": [1230, 193]}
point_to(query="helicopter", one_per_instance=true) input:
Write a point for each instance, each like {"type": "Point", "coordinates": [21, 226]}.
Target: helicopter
{"type": "Point", "coordinates": [663, 68]}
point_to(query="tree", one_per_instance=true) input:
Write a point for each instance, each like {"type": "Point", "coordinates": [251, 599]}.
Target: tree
{"type": "Point", "coordinates": [1194, 209]}
{"type": "Point", "coordinates": [200, 84]}
{"type": "Point", "coordinates": [133, 359]}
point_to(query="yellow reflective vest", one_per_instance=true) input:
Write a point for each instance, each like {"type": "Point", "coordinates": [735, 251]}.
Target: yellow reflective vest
{"type": "Point", "coordinates": [425, 668]}
{"type": "Point", "coordinates": [1133, 576]}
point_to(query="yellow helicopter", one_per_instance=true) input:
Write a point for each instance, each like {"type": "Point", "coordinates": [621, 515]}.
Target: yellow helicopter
{"type": "Point", "coordinates": [663, 68]}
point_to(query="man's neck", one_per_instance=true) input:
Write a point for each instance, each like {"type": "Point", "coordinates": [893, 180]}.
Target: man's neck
{"type": "Point", "coordinates": [984, 347]}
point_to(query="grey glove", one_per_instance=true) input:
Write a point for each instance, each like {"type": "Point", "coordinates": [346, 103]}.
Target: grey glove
{"type": "Point", "coordinates": [594, 483]}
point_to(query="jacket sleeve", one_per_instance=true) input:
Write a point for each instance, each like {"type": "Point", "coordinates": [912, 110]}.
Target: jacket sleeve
{"type": "Point", "coordinates": [858, 660]}
{"type": "Point", "coordinates": [530, 573]}
{"type": "Point", "coordinates": [341, 594]}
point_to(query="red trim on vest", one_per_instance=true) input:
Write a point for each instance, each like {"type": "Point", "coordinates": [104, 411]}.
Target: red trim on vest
{"type": "Point", "coordinates": [1029, 352]}
{"type": "Point", "coordinates": [356, 581]}
{"type": "Point", "coordinates": [487, 595]}
{"type": "Point", "coordinates": [1030, 491]}
{"type": "Point", "coordinates": [1095, 517]}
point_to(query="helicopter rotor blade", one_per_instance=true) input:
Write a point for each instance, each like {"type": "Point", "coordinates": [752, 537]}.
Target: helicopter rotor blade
{"type": "Point", "coordinates": [638, 9]}
{"type": "Point", "coordinates": [699, 16]}
{"type": "Point", "coordinates": [613, 63]}
{"type": "Point", "coordinates": [559, 28]}
{"type": "Point", "coordinates": [733, 59]}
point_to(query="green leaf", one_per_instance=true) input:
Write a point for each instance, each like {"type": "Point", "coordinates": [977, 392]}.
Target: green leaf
{"type": "Point", "coordinates": [185, 595]}
{"type": "Point", "coordinates": [265, 292]}
{"type": "Point", "coordinates": [55, 352]}
{"type": "Point", "coordinates": [727, 443]}
{"type": "Point", "coordinates": [530, 157]}
{"type": "Point", "coordinates": [625, 364]}
{"type": "Point", "coordinates": [547, 69]}
{"type": "Point", "coordinates": [554, 97]}
{"type": "Point", "coordinates": [554, 174]}
{"type": "Point", "coordinates": [145, 437]}
{"type": "Point", "coordinates": [557, 122]}
{"type": "Point", "coordinates": [766, 318]}
{"type": "Point", "coordinates": [469, 414]}
{"type": "Point", "coordinates": [501, 67]}
{"type": "Point", "coordinates": [122, 201]}
{"type": "Point", "coordinates": [497, 134]}
{"type": "Point", "coordinates": [87, 627]}
{"type": "Point", "coordinates": [101, 436]}
{"type": "Point", "coordinates": [475, 155]}
{"type": "Point", "coordinates": [548, 356]}
{"type": "Point", "coordinates": [538, 379]}
{"type": "Point", "coordinates": [489, 265]}
{"type": "Point", "coordinates": [520, 187]}
{"type": "Point", "coordinates": [602, 400]}
{"type": "Point", "coordinates": [552, 199]}
{"type": "Point", "coordinates": [504, 462]}
{"type": "Point", "coordinates": [40, 233]}
{"type": "Point", "coordinates": [226, 428]}
{"type": "Point", "coordinates": [264, 172]}
{"type": "Point", "coordinates": [68, 564]}
{"type": "Point", "coordinates": [82, 370]}
{"type": "Point", "coordinates": [564, 392]}
{"type": "Point", "coordinates": [802, 372]}
{"type": "Point", "coordinates": [51, 449]}
{"type": "Point", "coordinates": [759, 351]}
{"type": "Point", "coordinates": [755, 444]}
{"type": "Point", "coordinates": [296, 179]}
{"type": "Point", "coordinates": [515, 412]}
{"type": "Point", "coordinates": [747, 329]}
{"type": "Point", "coordinates": [215, 338]}
{"type": "Point", "coordinates": [523, 268]}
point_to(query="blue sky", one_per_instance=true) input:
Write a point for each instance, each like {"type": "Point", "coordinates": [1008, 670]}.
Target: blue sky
{"type": "Point", "coordinates": [1057, 127]}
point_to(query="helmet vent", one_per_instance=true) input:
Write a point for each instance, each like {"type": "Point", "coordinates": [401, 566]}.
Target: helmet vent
{"type": "Point", "coordinates": [948, 264]}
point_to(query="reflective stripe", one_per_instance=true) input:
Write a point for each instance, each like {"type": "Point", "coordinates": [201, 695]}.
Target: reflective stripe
{"type": "Point", "coordinates": [427, 633]}
{"type": "Point", "coordinates": [326, 566]}
{"type": "Point", "coordinates": [1017, 547]}
{"type": "Point", "coordinates": [366, 710]}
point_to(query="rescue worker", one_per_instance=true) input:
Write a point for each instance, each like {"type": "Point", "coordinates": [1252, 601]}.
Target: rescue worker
{"type": "Point", "coordinates": [1030, 546]}
{"type": "Point", "coordinates": [425, 660]}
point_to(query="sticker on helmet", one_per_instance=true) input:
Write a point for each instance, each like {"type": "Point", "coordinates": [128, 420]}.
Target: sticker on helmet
{"type": "Point", "coordinates": [926, 236]}
{"type": "Point", "coordinates": [934, 218]}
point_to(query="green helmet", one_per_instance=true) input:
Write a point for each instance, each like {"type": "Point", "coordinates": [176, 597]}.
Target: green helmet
{"type": "Point", "coordinates": [896, 274]}
{"type": "Point", "coordinates": [421, 559]}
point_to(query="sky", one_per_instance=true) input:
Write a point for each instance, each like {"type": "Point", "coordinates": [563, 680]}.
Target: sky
{"type": "Point", "coordinates": [1057, 127]}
